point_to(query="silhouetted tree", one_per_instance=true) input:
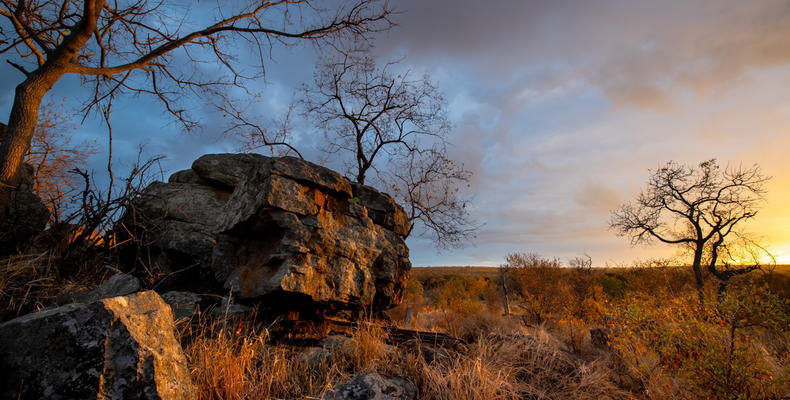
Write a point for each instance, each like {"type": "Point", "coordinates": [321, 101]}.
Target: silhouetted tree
{"type": "Point", "coordinates": [581, 263]}
{"type": "Point", "coordinates": [699, 208]}
{"type": "Point", "coordinates": [428, 185]}
{"type": "Point", "coordinates": [387, 122]}
{"type": "Point", "coordinates": [119, 47]}
{"type": "Point", "coordinates": [372, 112]}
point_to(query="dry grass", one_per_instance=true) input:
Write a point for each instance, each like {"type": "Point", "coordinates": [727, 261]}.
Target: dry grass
{"type": "Point", "coordinates": [243, 365]}
{"type": "Point", "coordinates": [550, 357]}
{"type": "Point", "coordinates": [468, 327]}
{"type": "Point", "coordinates": [30, 282]}
{"type": "Point", "coordinates": [514, 365]}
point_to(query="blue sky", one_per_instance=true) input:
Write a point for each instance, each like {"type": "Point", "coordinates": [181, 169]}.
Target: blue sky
{"type": "Point", "coordinates": [559, 108]}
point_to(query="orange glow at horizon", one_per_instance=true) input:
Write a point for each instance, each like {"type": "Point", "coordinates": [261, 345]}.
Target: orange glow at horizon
{"type": "Point", "coordinates": [771, 226]}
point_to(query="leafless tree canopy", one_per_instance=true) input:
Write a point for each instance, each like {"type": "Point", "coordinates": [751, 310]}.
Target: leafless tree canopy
{"type": "Point", "coordinates": [371, 111]}
{"type": "Point", "coordinates": [581, 263]}
{"type": "Point", "coordinates": [150, 47]}
{"type": "Point", "coordinates": [113, 39]}
{"type": "Point", "coordinates": [379, 120]}
{"type": "Point", "coordinates": [700, 208]}
{"type": "Point", "coordinates": [529, 260]}
{"type": "Point", "coordinates": [428, 184]}
{"type": "Point", "coordinates": [244, 126]}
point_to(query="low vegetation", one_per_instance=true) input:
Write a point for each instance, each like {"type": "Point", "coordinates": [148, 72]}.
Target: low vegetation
{"type": "Point", "coordinates": [636, 332]}
{"type": "Point", "coordinates": [573, 333]}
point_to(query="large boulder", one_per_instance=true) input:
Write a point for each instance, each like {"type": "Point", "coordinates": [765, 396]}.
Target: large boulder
{"type": "Point", "coordinates": [116, 348]}
{"type": "Point", "coordinates": [274, 226]}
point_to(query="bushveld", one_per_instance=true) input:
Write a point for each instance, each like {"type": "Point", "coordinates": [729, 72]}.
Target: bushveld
{"type": "Point", "coordinates": [638, 332]}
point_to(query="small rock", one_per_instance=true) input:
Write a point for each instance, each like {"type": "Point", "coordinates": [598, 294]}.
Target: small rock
{"type": "Point", "coordinates": [333, 341]}
{"type": "Point", "coordinates": [373, 387]}
{"type": "Point", "coordinates": [314, 356]}
{"type": "Point", "coordinates": [183, 304]}
{"type": "Point", "coordinates": [223, 309]}
{"type": "Point", "coordinates": [322, 352]}
{"type": "Point", "coordinates": [118, 285]}
{"type": "Point", "coordinates": [431, 354]}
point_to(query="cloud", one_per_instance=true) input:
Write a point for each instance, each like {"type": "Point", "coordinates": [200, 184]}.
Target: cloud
{"type": "Point", "coordinates": [560, 108]}
{"type": "Point", "coordinates": [638, 52]}
{"type": "Point", "coordinates": [598, 198]}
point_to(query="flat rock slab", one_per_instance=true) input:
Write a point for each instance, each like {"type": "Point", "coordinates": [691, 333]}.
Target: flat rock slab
{"type": "Point", "coordinates": [117, 348]}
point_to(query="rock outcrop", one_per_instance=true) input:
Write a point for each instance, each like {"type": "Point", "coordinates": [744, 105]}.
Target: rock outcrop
{"type": "Point", "coordinates": [268, 226]}
{"type": "Point", "coordinates": [116, 348]}
{"type": "Point", "coordinates": [26, 215]}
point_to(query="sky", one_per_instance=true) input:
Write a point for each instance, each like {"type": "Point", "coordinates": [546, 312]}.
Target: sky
{"type": "Point", "coordinates": [559, 108]}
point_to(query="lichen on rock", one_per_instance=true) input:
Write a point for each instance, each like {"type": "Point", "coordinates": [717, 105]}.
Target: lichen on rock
{"type": "Point", "coordinates": [117, 348]}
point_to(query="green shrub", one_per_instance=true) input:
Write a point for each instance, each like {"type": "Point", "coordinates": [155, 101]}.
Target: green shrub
{"type": "Point", "coordinates": [614, 285]}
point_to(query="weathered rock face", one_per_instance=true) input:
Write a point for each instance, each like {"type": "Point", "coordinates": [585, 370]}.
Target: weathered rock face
{"type": "Point", "coordinates": [266, 225]}
{"type": "Point", "coordinates": [116, 348]}
{"type": "Point", "coordinates": [26, 215]}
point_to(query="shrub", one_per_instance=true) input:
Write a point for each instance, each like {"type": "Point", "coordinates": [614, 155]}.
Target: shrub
{"type": "Point", "coordinates": [614, 285]}
{"type": "Point", "coordinates": [680, 349]}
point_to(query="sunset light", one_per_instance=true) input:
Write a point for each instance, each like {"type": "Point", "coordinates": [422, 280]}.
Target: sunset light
{"type": "Point", "coordinates": [398, 200]}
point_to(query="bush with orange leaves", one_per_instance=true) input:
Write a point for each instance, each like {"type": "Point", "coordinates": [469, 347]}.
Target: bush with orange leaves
{"type": "Point", "coordinates": [546, 290]}
{"type": "Point", "coordinates": [736, 349]}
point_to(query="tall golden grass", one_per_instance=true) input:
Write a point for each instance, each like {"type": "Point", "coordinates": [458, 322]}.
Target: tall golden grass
{"type": "Point", "coordinates": [514, 363]}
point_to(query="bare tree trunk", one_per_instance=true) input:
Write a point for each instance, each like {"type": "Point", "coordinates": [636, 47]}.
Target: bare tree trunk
{"type": "Point", "coordinates": [722, 291]}
{"type": "Point", "coordinates": [505, 303]}
{"type": "Point", "coordinates": [28, 95]}
{"type": "Point", "coordinates": [698, 273]}
{"type": "Point", "coordinates": [21, 125]}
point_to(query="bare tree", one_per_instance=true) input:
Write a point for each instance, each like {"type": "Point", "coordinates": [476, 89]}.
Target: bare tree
{"type": "Point", "coordinates": [372, 112]}
{"type": "Point", "coordinates": [141, 47]}
{"type": "Point", "coordinates": [519, 266]}
{"type": "Point", "coordinates": [428, 185]}
{"type": "Point", "coordinates": [504, 270]}
{"type": "Point", "coordinates": [581, 263]}
{"type": "Point", "coordinates": [383, 121]}
{"type": "Point", "coordinates": [254, 137]}
{"type": "Point", "coordinates": [699, 208]}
